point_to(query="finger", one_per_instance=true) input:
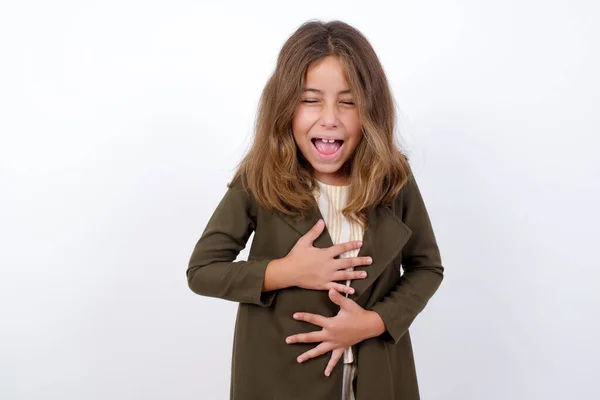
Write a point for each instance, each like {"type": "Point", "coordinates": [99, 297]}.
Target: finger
{"type": "Point", "coordinates": [336, 354]}
{"type": "Point", "coordinates": [341, 248]}
{"type": "Point", "coordinates": [314, 232]}
{"type": "Point", "coordinates": [338, 299]}
{"type": "Point", "coordinates": [310, 337]}
{"type": "Point", "coordinates": [349, 275]}
{"type": "Point", "coordinates": [340, 287]}
{"type": "Point", "coordinates": [315, 352]}
{"type": "Point", "coordinates": [351, 262]}
{"type": "Point", "coordinates": [314, 319]}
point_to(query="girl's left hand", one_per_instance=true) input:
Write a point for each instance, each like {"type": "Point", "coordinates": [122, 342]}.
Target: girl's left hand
{"type": "Point", "coordinates": [351, 325]}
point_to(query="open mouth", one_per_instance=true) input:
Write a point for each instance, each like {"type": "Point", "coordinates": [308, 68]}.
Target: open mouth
{"type": "Point", "coordinates": [327, 148]}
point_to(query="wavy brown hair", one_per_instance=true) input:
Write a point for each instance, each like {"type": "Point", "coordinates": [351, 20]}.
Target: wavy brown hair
{"type": "Point", "coordinates": [274, 169]}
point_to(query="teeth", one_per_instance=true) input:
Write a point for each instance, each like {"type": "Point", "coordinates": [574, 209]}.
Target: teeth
{"type": "Point", "coordinates": [328, 140]}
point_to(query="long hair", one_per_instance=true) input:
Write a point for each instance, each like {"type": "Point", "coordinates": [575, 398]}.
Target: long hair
{"type": "Point", "coordinates": [274, 169]}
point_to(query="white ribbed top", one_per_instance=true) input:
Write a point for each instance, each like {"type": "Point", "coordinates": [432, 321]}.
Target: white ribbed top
{"type": "Point", "coordinates": [332, 200]}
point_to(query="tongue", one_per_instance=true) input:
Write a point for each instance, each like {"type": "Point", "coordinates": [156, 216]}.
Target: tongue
{"type": "Point", "coordinates": [328, 148]}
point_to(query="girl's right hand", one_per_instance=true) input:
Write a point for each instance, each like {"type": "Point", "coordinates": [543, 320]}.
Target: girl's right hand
{"type": "Point", "coordinates": [314, 268]}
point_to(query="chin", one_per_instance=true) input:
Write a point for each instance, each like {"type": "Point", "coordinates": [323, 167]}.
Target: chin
{"type": "Point", "coordinates": [328, 170]}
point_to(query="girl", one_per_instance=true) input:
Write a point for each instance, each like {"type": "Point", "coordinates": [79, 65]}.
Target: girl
{"type": "Point", "coordinates": [335, 211]}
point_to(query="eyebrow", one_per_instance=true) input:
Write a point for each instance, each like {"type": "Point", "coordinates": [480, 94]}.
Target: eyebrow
{"type": "Point", "coordinates": [347, 91]}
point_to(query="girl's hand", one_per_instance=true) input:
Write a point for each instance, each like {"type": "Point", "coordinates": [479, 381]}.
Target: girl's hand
{"type": "Point", "coordinates": [351, 325]}
{"type": "Point", "coordinates": [314, 268]}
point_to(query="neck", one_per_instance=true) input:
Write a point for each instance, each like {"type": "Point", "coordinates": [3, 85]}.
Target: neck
{"type": "Point", "coordinates": [333, 180]}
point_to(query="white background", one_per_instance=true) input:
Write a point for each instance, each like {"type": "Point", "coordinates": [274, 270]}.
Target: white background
{"type": "Point", "coordinates": [122, 121]}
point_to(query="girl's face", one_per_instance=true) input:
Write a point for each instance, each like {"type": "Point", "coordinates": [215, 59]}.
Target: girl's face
{"type": "Point", "coordinates": [326, 125]}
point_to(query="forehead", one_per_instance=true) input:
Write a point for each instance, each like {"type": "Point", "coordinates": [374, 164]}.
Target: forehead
{"type": "Point", "coordinates": [326, 75]}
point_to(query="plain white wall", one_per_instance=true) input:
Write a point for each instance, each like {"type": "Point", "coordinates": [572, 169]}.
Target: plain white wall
{"type": "Point", "coordinates": [122, 121]}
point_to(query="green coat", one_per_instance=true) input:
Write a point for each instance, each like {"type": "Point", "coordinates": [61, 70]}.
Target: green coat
{"type": "Point", "coordinates": [264, 367]}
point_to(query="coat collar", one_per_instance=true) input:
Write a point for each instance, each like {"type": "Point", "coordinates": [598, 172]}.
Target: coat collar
{"type": "Point", "coordinates": [384, 238]}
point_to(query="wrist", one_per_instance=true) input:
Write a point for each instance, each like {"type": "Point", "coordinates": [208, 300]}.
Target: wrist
{"type": "Point", "coordinates": [277, 275]}
{"type": "Point", "coordinates": [374, 324]}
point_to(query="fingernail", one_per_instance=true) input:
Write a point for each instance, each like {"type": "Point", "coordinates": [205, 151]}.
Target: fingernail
{"type": "Point", "coordinates": [364, 274]}
{"type": "Point", "coordinates": [288, 340]}
{"type": "Point", "coordinates": [351, 291]}
{"type": "Point", "coordinates": [359, 243]}
{"type": "Point", "coordinates": [300, 359]}
{"type": "Point", "coordinates": [327, 373]}
{"type": "Point", "coordinates": [370, 260]}
{"type": "Point", "coordinates": [295, 315]}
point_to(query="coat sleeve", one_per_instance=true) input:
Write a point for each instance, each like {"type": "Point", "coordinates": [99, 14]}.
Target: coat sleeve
{"type": "Point", "coordinates": [212, 270]}
{"type": "Point", "coordinates": [423, 270]}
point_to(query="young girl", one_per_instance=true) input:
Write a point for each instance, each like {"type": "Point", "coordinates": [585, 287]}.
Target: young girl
{"type": "Point", "coordinates": [324, 311]}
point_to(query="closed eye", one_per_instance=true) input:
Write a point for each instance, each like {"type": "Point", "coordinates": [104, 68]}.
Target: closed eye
{"type": "Point", "coordinates": [350, 103]}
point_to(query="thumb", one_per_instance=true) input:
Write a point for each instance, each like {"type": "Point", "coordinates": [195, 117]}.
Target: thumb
{"type": "Point", "coordinates": [337, 297]}
{"type": "Point", "coordinates": [314, 232]}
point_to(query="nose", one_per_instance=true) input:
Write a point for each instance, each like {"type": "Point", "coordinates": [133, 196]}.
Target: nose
{"type": "Point", "coordinates": [329, 116]}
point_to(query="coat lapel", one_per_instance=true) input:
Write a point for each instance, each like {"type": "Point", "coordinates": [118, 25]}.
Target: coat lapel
{"type": "Point", "coordinates": [383, 240]}
{"type": "Point", "coordinates": [302, 226]}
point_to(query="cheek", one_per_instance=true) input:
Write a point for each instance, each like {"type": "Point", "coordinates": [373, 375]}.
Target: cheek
{"type": "Point", "coordinates": [301, 122]}
{"type": "Point", "coordinates": [353, 127]}
{"type": "Point", "coordinates": [299, 130]}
